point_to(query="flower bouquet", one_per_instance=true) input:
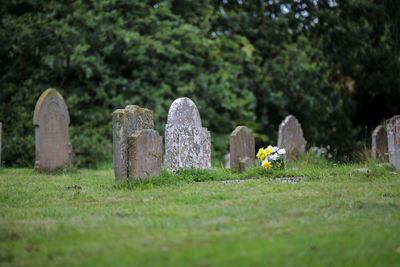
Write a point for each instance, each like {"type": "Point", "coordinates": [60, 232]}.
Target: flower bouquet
{"type": "Point", "coordinates": [272, 157]}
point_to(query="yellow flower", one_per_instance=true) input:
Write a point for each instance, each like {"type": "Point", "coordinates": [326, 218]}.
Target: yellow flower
{"type": "Point", "coordinates": [266, 164]}
{"type": "Point", "coordinates": [260, 154]}
{"type": "Point", "coordinates": [267, 151]}
{"type": "Point", "coordinates": [278, 164]}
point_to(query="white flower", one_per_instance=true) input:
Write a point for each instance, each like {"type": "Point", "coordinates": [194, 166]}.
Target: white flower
{"type": "Point", "coordinates": [274, 149]}
{"type": "Point", "coordinates": [274, 156]}
{"type": "Point", "coordinates": [281, 151]}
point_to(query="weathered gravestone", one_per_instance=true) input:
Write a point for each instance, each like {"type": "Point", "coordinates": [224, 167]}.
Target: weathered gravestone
{"type": "Point", "coordinates": [290, 137]}
{"type": "Point", "coordinates": [187, 143]}
{"type": "Point", "coordinates": [137, 147]}
{"type": "Point", "coordinates": [393, 135]}
{"type": "Point", "coordinates": [145, 154]}
{"type": "Point", "coordinates": [379, 143]}
{"type": "Point", "coordinates": [241, 149]}
{"type": "Point", "coordinates": [1, 132]}
{"type": "Point", "coordinates": [51, 120]}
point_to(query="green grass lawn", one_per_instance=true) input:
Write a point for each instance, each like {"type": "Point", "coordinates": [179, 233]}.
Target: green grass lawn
{"type": "Point", "coordinates": [333, 217]}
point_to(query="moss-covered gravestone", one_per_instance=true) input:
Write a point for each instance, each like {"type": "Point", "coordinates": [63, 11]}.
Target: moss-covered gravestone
{"type": "Point", "coordinates": [393, 135]}
{"type": "Point", "coordinates": [241, 149]}
{"type": "Point", "coordinates": [51, 120]}
{"type": "Point", "coordinates": [137, 147]}
{"type": "Point", "coordinates": [187, 143]}
{"type": "Point", "coordinates": [290, 137]}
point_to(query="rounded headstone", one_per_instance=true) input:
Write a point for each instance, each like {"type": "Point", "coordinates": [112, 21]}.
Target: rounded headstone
{"type": "Point", "coordinates": [183, 112]}
{"type": "Point", "coordinates": [379, 143]}
{"type": "Point", "coordinates": [290, 137]}
{"type": "Point", "coordinates": [51, 120]}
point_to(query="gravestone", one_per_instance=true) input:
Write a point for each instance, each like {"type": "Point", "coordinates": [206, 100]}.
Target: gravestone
{"type": "Point", "coordinates": [393, 140]}
{"type": "Point", "coordinates": [227, 159]}
{"type": "Point", "coordinates": [187, 143]}
{"type": "Point", "coordinates": [145, 154]}
{"type": "Point", "coordinates": [241, 149]}
{"type": "Point", "coordinates": [1, 132]}
{"type": "Point", "coordinates": [125, 123]}
{"type": "Point", "coordinates": [290, 137]}
{"type": "Point", "coordinates": [51, 120]}
{"type": "Point", "coordinates": [379, 143]}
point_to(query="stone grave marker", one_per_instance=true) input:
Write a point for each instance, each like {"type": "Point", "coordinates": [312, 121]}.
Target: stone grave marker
{"type": "Point", "coordinates": [125, 123]}
{"type": "Point", "coordinates": [379, 143]}
{"type": "Point", "coordinates": [241, 149]}
{"type": "Point", "coordinates": [145, 154]}
{"type": "Point", "coordinates": [227, 159]}
{"type": "Point", "coordinates": [393, 140]}
{"type": "Point", "coordinates": [290, 137]}
{"type": "Point", "coordinates": [187, 143]}
{"type": "Point", "coordinates": [51, 120]}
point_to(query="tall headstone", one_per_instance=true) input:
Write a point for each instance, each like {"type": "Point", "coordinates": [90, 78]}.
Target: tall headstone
{"type": "Point", "coordinates": [393, 139]}
{"type": "Point", "coordinates": [51, 120]}
{"type": "Point", "coordinates": [1, 133]}
{"type": "Point", "coordinates": [125, 123]}
{"type": "Point", "coordinates": [379, 143]}
{"type": "Point", "coordinates": [145, 154]}
{"type": "Point", "coordinates": [290, 137]}
{"type": "Point", "coordinates": [241, 149]}
{"type": "Point", "coordinates": [187, 143]}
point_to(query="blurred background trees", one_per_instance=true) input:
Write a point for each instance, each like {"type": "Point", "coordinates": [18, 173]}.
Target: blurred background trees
{"type": "Point", "coordinates": [335, 65]}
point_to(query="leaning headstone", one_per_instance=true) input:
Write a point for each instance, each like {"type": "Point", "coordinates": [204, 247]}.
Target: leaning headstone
{"type": "Point", "coordinates": [241, 148]}
{"type": "Point", "coordinates": [393, 139]}
{"type": "Point", "coordinates": [379, 143]}
{"type": "Point", "coordinates": [1, 131]}
{"type": "Point", "coordinates": [51, 120]}
{"type": "Point", "coordinates": [290, 137]}
{"type": "Point", "coordinates": [145, 154]}
{"type": "Point", "coordinates": [125, 123]}
{"type": "Point", "coordinates": [187, 143]}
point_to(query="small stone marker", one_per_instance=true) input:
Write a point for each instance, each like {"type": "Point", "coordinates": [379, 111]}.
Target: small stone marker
{"type": "Point", "coordinates": [145, 154]}
{"type": "Point", "coordinates": [290, 137]}
{"type": "Point", "coordinates": [227, 159]}
{"type": "Point", "coordinates": [125, 123]}
{"type": "Point", "coordinates": [241, 149]}
{"type": "Point", "coordinates": [1, 132]}
{"type": "Point", "coordinates": [51, 120]}
{"type": "Point", "coordinates": [379, 143]}
{"type": "Point", "coordinates": [187, 143]}
{"type": "Point", "coordinates": [393, 135]}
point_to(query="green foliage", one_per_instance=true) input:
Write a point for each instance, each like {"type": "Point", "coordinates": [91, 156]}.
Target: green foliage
{"type": "Point", "coordinates": [242, 62]}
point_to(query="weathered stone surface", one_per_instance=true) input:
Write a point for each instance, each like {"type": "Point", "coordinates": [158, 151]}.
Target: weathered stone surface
{"type": "Point", "coordinates": [125, 123]}
{"type": "Point", "coordinates": [393, 139]}
{"type": "Point", "coordinates": [145, 154]}
{"type": "Point", "coordinates": [187, 144]}
{"type": "Point", "coordinates": [241, 149]}
{"type": "Point", "coordinates": [290, 137]}
{"type": "Point", "coordinates": [1, 133]}
{"type": "Point", "coordinates": [183, 112]}
{"type": "Point", "coordinates": [379, 143]}
{"type": "Point", "coordinates": [51, 120]}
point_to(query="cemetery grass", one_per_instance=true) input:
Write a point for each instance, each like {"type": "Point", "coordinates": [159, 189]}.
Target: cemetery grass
{"type": "Point", "coordinates": [334, 217]}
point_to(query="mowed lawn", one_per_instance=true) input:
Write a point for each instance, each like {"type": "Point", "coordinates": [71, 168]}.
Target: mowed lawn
{"type": "Point", "coordinates": [333, 217]}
